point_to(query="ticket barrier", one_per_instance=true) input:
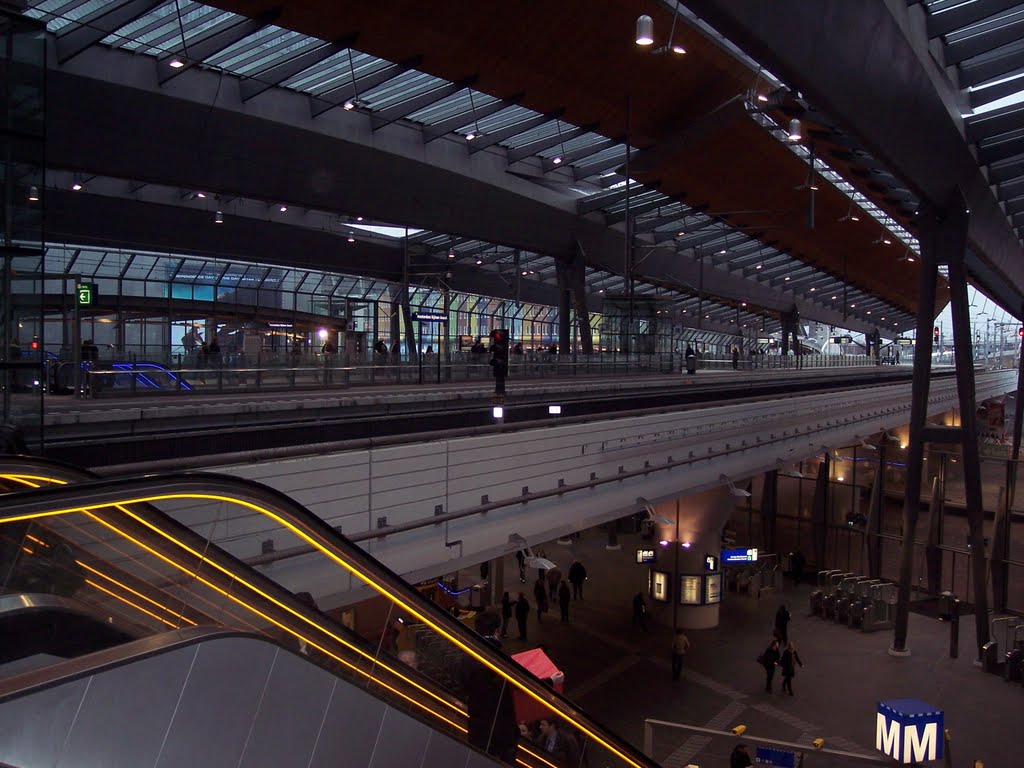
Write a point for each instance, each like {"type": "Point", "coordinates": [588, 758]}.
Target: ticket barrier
{"type": "Point", "coordinates": [828, 602]}
{"type": "Point", "coordinates": [844, 597]}
{"type": "Point", "coordinates": [995, 653]}
{"type": "Point", "coordinates": [1015, 656]}
{"type": "Point", "coordinates": [881, 613]}
{"type": "Point", "coordinates": [818, 595]}
{"type": "Point", "coordinates": [860, 603]}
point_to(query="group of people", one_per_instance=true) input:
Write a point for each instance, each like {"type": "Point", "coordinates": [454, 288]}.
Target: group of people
{"type": "Point", "coordinates": [781, 653]}
{"type": "Point", "coordinates": [549, 587]}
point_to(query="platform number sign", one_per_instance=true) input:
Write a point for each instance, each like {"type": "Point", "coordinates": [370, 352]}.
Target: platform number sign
{"type": "Point", "coordinates": [86, 293]}
{"type": "Point", "coordinates": [908, 731]}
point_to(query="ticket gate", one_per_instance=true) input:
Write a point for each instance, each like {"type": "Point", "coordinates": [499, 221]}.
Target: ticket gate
{"type": "Point", "coordinates": [818, 595]}
{"type": "Point", "coordinates": [881, 613]}
{"type": "Point", "coordinates": [845, 596]}
{"type": "Point", "coordinates": [828, 602]}
{"type": "Point", "coordinates": [860, 603]}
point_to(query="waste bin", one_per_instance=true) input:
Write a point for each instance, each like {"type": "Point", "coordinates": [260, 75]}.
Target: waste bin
{"type": "Point", "coordinates": [691, 364]}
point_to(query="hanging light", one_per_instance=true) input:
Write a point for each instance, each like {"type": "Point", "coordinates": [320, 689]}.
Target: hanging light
{"type": "Point", "coordinates": [33, 194]}
{"type": "Point", "coordinates": [677, 48]}
{"type": "Point", "coordinates": [794, 130]}
{"type": "Point", "coordinates": [644, 30]}
{"type": "Point", "coordinates": [451, 254]}
{"type": "Point", "coordinates": [77, 186]}
{"type": "Point", "coordinates": [176, 63]}
{"type": "Point", "coordinates": [283, 208]}
{"type": "Point", "coordinates": [201, 195]}
{"type": "Point", "coordinates": [218, 218]}
{"type": "Point", "coordinates": [557, 160]}
{"type": "Point", "coordinates": [470, 136]}
{"type": "Point", "coordinates": [349, 105]}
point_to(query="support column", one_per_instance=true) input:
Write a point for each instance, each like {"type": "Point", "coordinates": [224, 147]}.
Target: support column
{"type": "Point", "coordinates": [876, 504]}
{"type": "Point", "coordinates": [579, 296]}
{"type": "Point", "coordinates": [565, 345]}
{"type": "Point", "coordinates": [932, 553]}
{"type": "Point", "coordinates": [497, 580]}
{"type": "Point", "coordinates": [819, 512]}
{"type": "Point", "coordinates": [769, 510]}
{"type": "Point", "coordinates": [998, 567]}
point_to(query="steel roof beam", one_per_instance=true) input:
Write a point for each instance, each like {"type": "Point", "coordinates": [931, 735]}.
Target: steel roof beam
{"type": "Point", "coordinates": [338, 96]}
{"type": "Point", "coordinates": [504, 134]}
{"type": "Point", "coordinates": [654, 222]}
{"type": "Point", "coordinates": [965, 15]}
{"type": "Point", "coordinates": [212, 42]}
{"type": "Point", "coordinates": [1006, 172]}
{"type": "Point", "coordinates": [1016, 205]}
{"type": "Point", "coordinates": [995, 123]}
{"type": "Point", "coordinates": [599, 201]}
{"type": "Point", "coordinates": [443, 128]}
{"type": "Point", "coordinates": [265, 79]}
{"type": "Point", "coordinates": [389, 115]}
{"type": "Point", "coordinates": [515, 154]}
{"type": "Point", "coordinates": [638, 208]}
{"type": "Point", "coordinates": [984, 42]}
{"type": "Point", "coordinates": [579, 154]}
{"type": "Point", "coordinates": [997, 66]}
{"type": "Point", "coordinates": [1000, 150]}
{"type": "Point", "coordinates": [979, 98]}
{"type": "Point", "coordinates": [581, 172]}
{"type": "Point", "coordinates": [91, 29]}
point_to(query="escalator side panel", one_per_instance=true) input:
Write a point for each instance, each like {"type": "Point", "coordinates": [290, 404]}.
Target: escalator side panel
{"type": "Point", "coordinates": [224, 700]}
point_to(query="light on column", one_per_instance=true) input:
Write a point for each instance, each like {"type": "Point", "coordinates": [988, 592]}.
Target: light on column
{"type": "Point", "coordinates": [644, 30]}
{"type": "Point", "coordinates": [794, 130]}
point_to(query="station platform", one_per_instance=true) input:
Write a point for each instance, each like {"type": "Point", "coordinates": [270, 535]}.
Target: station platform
{"type": "Point", "coordinates": [621, 675]}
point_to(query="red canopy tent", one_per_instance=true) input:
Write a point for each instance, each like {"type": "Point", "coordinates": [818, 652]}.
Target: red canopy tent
{"type": "Point", "coordinates": [539, 665]}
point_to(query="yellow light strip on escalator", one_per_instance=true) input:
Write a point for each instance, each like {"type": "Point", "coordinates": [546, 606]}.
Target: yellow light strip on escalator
{"type": "Point", "coordinates": [535, 756]}
{"type": "Point", "coordinates": [126, 601]}
{"type": "Point", "coordinates": [379, 587]}
{"type": "Point", "coordinates": [277, 624]}
{"type": "Point", "coordinates": [137, 594]}
{"type": "Point", "coordinates": [309, 642]}
{"type": "Point", "coordinates": [40, 542]}
{"type": "Point", "coordinates": [26, 549]}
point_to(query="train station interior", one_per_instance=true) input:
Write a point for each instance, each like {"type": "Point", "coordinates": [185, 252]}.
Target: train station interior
{"type": "Point", "coordinates": [540, 384]}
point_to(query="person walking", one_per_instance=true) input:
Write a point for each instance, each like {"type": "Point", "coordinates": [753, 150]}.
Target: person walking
{"type": "Point", "coordinates": [577, 575]}
{"type": "Point", "coordinates": [640, 611]}
{"type": "Point", "coordinates": [788, 663]}
{"type": "Point", "coordinates": [680, 645]}
{"type": "Point", "coordinates": [782, 619]}
{"type": "Point", "coordinates": [506, 613]}
{"type": "Point", "coordinates": [521, 559]}
{"type": "Point", "coordinates": [554, 577]}
{"type": "Point", "coordinates": [564, 596]}
{"type": "Point", "coordinates": [769, 660]}
{"type": "Point", "coordinates": [522, 611]}
{"type": "Point", "coordinates": [540, 594]}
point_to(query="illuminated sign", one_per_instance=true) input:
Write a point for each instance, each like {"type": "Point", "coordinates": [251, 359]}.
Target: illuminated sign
{"type": "Point", "coordinates": [779, 758]}
{"type": "Point", "coordinates": [739, 555]}
{"type": "Point", "coordinates": [904, 342]}
{"type": "Point", "coordinates": [713, 588]}
{"type": "Point", "coordinates": [644, 556]}
{"type": "Point", "coordinates": [689, 590]}
{"type": "Point", "coordinates": [429, 317]}
{"type": "Point", "coordinates": [659, 586]}
{"type": "Point", "coordinates": [908, 731]}
{"type": "Point", "coordinates": [710, 563]}
{"type": "Point", "coordinates": [86, 293]}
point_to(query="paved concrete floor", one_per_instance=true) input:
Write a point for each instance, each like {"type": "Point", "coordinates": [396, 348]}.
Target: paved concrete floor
{"type": "Point", "coordinates": [620, 675]}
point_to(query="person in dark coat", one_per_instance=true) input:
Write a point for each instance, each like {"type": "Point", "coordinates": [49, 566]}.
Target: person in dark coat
{"type": "Point", "coordinates": [797, 563]}
{"type": "Point", "coordinates": [554, 577]}
{"type": "Point", "coordinates": [577, 575]}
{"type": "Point", "coordinates": [559, 746]}
{"type": "Point", "coordinates": [788, 663]}
{"type": "Point", "coordinates": [506, 613]}
{"type": "Point", "coordinates": [564, 596]}
{"type": "Point", "coordinates": [540, 594]}
{"type": "Point", "coordinates": [735, 358]}
{"type": "Point", "coordinates": [640, 611]}
{"type": "Point", "coordinates": [521, 559]}
{"type": "Point", "coordinates": [522, 611]}
{"type": "Point", "coordinates": [770, 660]}
{"type": "Point", "coordinates": [740, 758]}
{"type": "Point", "coordinates": [782, 618]}
{"type": "Point", "coordinates": [492, 716]}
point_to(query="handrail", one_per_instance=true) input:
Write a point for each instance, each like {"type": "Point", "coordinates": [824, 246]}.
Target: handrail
{"type": "Point", "coordinates": [140, 492]}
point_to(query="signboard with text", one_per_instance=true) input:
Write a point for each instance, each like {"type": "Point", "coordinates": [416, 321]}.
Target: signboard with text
{"type": "Point", "coordinates": [689, 590]}
{"type": "Point", "coordinates": [644, 556]}
{"type": "Point", "coordinates": [745, 555]}
{"type": "Point", "coordinates": [909, 731]}
{"type": "Point", "coordinates": [85, 294]}
{"type": "Point", "coordinates": [430, 317]}
{"type": "Point", "coordinates": [712, 588]}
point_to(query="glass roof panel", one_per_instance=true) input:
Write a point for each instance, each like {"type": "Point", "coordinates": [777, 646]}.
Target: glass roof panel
{"type": "Point", "coordinates": [505, 118]}
{"type": "Point", "coordinates": [580, 142]}
{"type": "Point", "coordinates": [398, 89]}
{"type": "Point", "coordinates": [160, 30]}
{"type": "Point", "coordinates": [548, 130]}
{"type": "Point", "coordinates": [453, 106]}
{"type": "Point", "coordinates": [58, 14]}
{"type": "Point", "coordinates": [265, 48]}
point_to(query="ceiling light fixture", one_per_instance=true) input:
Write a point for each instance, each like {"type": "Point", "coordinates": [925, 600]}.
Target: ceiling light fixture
{"type": "Point", "coordinates": [644, 30]}
{"type": "Point", "coordinates": [349, 105]}
{"type": "Point", "coordinates": [451, 254]}
{"type": "Point", "coordinates": [794, 130]}
{"type": "Point", "coordinates": [351, 239]}
{"type": "Point", "coordinates": [479, 262]}
{"type": "Point", "coordinates": [33, 194]}
{"type": "Point", "coordinates": [176, 63]}
{"type": "Point", "coordinates": [677, 48]}
{"type": "Point", "coordinates": [201, 195]}
{"type": "Point", "coordinates": [359, 218]}
{"type": "Point", "coordinates": [470, 136]}
{"type": "Point", "coordinates": [218, 218]}
{"type": "Point", "coordinates": [787, 278]}
{"type": "Point", "coordinates": [77, 186]}
{"type": "Point", "coordinates": [763, 98]}
{"type": "Point", "coordinates": [283, 208]}
{"type": "Point", "coordinates": [557, 159]}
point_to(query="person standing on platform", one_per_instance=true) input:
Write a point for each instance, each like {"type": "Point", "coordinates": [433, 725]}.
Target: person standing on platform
{"type": "Point", "coordinates": [506, 613]}
{"type": "Point", "coordinates": [492, 717]}
{"type": "Point", "coordinates": [788, 662]}
{"type": "Point", "coordinates": [797, 563]}
{"type": "Point", "coordinates": [564, 596]}
{"type": "Point", "coordinates": [782, 618]}
{"type": "Point", "coordinates": [522, 614]}
{"type": "Point", "coordinates": [769, 660]}
{"type": "Point", "coordinates": [735, 358]}
{"type": "Point", "coordinates": [640, 611]}
{"type": "Point", "coordinates": [680, 645]}
{"type": "Point", "coordinates": [540, 594]}
{"type": "Point", "coordinates": [577, 575]}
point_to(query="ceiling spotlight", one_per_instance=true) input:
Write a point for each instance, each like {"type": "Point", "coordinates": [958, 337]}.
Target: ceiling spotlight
{"type": "Point", "coordinates": [794, 130]}
{"type": "Point", "coordinates": [759, 266]}
{"type": "Point", "coordinates": [77, 186]}
{"type": "Point", "coordinates": [479, 262]}
{"type": "Point", "coordinates": [813, 289]}
{"type": "Point", "coordinates": [677, 48]}
{"type": "Point", "coordinates": [451, 254]}
{"type": "Point", "coordinates": [787, 277]}
{"type": "Point", "coordinates": [283, 208]}
{"type": "Point", "coordinates": [33, 194]}
{"type": "Point", "coordinates": [743, 303]}
{"type": "Point", "coordinates": [349, 105]}
{"type": "Point", "coordinates": [201, 195]}
{"type": "Point", "coordinates": [557, 160]}
{"type": "Point", "coordinates": [762, 98]}
{"type": "Point", "coordinates": [833, 297]}
{"type": "Point", "coordinates": [869, 311]}
{"type": "Point", "coordinates": [681, 234]}
{"type": "Point", "coordinates": [886, 241]}
{"type": "Point", "coordinates": [854, 217]}
{"type": "Point", "coordinates": [853, 306]}
{"type": "Point", "coordinates": [218, 218]}
{"type": "Point", "coordinates": [723, 252]}
{"type": "Point", "coordinates": [351, 239]}
{"type": "Point", "coordinates": [176, 63]}
{"type": "Point", "coordinates": [601, 290]}
{"type": "Point", "coordinates": [470, 136]}
{"type": "Point", "coordinates": [359, 218]}
{"type": "Point", "coordinates": [644, 30]}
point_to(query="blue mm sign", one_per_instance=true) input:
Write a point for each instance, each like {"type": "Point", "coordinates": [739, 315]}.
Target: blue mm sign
{"type": "Point", "coordinates": [909, 731]}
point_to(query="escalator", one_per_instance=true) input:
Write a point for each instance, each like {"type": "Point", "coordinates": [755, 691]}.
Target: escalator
{"type": "Point", "coordinates": [142, 642]}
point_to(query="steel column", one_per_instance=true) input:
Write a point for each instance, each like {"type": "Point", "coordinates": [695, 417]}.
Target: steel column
{"type": "Point", "coordinates": [769, 509]}
{"type": "Point", "coordinates": [819, 512]}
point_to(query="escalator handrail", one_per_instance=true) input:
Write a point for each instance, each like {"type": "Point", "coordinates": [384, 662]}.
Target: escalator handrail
{"type": "Point", "coordinates": [146, 489]}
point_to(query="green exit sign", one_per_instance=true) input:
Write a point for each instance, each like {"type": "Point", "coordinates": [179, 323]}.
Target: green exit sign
{"type": "Point", "coordinates": [86, 294]}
